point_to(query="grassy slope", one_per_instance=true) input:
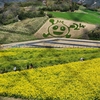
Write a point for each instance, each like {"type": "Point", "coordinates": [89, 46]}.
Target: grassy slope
{"type": "Point", "coordinates": [24, 30]}
{"type": "Point", "coordinates": [73, 81]}
{"type": "Point", "coordinates": [42, 57]}
{"type": "Point", "coordinates": [21, 31]}
{"type": "Point", "coordinates": [87, 16]}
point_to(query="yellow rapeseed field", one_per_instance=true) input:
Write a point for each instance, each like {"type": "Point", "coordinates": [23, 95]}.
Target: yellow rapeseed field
{"type": "Point", "coordinates": [72, 81]}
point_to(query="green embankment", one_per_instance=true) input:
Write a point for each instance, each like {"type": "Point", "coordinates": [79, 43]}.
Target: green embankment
{"type": "Point", "coordinates": [85, 16]}
{"type": "Point", "coordinates": [73, 81]}
{"type": "Point", "coordinates": [42, 57]}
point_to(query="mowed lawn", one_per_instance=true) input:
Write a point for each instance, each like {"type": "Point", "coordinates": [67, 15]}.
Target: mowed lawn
{"type": "Point", "coordinates": [73, 81]}
{"type": "Point", "coordinates": [86, 16]}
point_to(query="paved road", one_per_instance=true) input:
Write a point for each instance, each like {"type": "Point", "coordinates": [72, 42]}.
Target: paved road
{"type": "Point", "coordinates": [55, 43]}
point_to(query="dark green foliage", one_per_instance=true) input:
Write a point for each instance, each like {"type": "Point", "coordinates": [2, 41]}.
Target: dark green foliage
{"type": "Point", "coordinates": [52, 21]}
{"type": "Point", "coordinates": [1, 10]}
{"type": "Point", "coordinates": [14, 12]}
{"type": "Point", "coordinates": [0, 18]}
{"type": "Point", "coordinates": [75, 6]}
{"type": "Point", "coordinates": [95, 34]}
{"type": "Point", "coordinates": [29, 14]}
{"type": "Point", "coordinates": [41, 13]}
{"type": "Point", "coordinates": [68, 36]}
{"type": "Point", "coordinates": [9, 14]}
{"type": "Point", "coordinates": [50, 15]}
{"type": "Point", "coordinates": [30, 3]}
{"type": "Point", "coordinates": [92, 9]}
{"type": "Point", "coordinates": [62, 6]}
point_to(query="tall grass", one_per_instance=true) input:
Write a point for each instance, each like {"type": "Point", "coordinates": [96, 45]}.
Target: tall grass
{"type": "Point", "coordinates": [21, 31]}
{"type": "Point", "coordinates": [28, 26]}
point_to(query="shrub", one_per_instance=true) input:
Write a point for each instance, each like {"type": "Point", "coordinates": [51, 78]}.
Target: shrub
{"type": "Point", "coordinates": [41, 13]}
{"type": "Point", "coordinates": [95, 34]}
{"type": "Point", "coordinates": [50, 15]}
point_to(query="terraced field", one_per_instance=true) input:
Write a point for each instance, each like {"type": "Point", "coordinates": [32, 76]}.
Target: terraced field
{"type": "Point", "coordinates": [21, 31]}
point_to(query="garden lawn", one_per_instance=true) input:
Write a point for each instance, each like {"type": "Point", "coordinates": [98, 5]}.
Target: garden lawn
{"type": "Point", "coordinates": [88, 17]}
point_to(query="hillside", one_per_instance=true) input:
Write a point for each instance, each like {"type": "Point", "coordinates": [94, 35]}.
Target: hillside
{"type": "Point", "coordinates": [28, 21]}
{"type": "Point", "coordinates": [73, 81]}
{"type": "Point", "coordinates": [88, 3]}
{"type": "Point", "coordinates": [34, 28]}
{"type": "Point", "coordinates": [58, 69]}
{"type": "Point", "coordinates": [21, 31]}
{"type": "Point", "coordinates": [84, 2]}
{"type": "Point", "coordinates": [43, 57]}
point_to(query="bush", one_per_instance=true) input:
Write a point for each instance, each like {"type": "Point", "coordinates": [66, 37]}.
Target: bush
{"type": "Point", "coordinates": [50, 15]}
{"type": "Point", "coordinates": [41, 13]}
{"type": "Point", "coordinates": [95, 34]}
{"type": "Point", "coordinates": [50, 9]}
{"type": "Point", "coordinates": [33, 14]}
{"type": "Point", "coordinates": [8, 21]}
{"type": "Point", "coordinates": [75, 6]}
{"type": "Point", "coordinates": [92, 9]}
{"type": "Point", "coordinates": [29, 3]}
{"type": "Point", "coordinates": [43, 8]}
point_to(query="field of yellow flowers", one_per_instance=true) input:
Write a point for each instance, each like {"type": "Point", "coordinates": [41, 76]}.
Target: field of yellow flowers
{"type": "Point", "coordinates": [42, 57]}
{"type": "Point", "coordinates": [73, 81]}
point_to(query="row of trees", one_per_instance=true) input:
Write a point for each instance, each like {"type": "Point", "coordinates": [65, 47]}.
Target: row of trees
{"type": "Point", "coordinates": [13, 12]}
{"type": "Point", "coordinates": [60, 5]}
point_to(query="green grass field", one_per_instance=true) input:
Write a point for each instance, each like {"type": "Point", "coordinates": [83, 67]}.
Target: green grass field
{"type": "Point", "coordinates": [73, 81]}
{"type": "Point", "coordinates": [86, 16]}
{"type": "Point", "coordinates": [42, 57]}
